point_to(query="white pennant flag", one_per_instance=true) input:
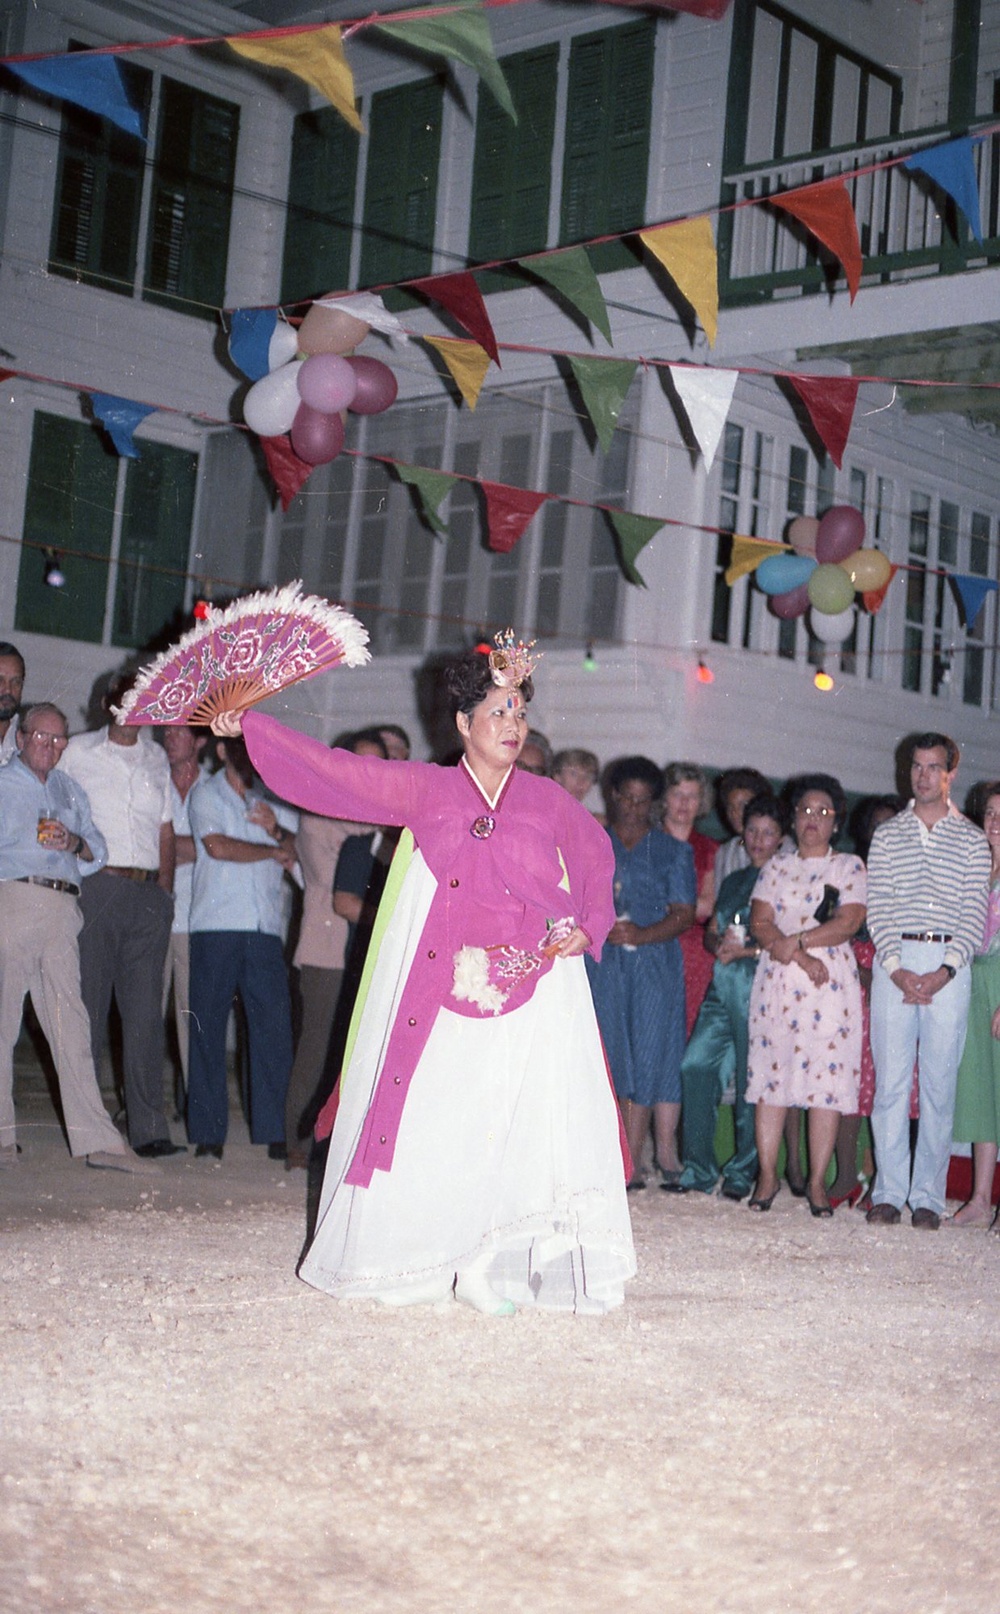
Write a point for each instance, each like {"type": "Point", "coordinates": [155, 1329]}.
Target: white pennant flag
{"type": "Point", "coordinates": [706, 395]}
{"type": "Point", "coordinates": [369, 308]}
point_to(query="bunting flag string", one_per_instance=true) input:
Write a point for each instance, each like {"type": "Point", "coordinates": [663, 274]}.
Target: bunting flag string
{"type": "Point", "coordinates": [318, 58]}
{"type": "Point", "coordinates": [747, 555]}
{"type": "Point", "coordinates": [120, 417]}
{"type": "Point", "coordinates": [687, 252]}
{"type": "Point", "coordinates": [459, 295]}
{"type": "Point", "coordinates": [463, 34]}
{"type": "Point", "coordinates": [706, 396]}
{"type": "Point", "coordinates": [830, 402]}
{"type": "Point", "coordinates": [432, 488]}
{"type": "Point", "coordinates": [86, 79]}
{"type": "Point", "coordinates": [571, 273]}
{"type": "Point", "coordinates": [633, 534]}
{"type": "Point", "coordinates": [467, 364]}
{"type": "Point", "coordinates": [287, 471]}
{"type": "Point", "coordinates": [826, 211]}
{"type": "Point", "coordinates": [508, 512]}
{"type": "Point", "coordinates": [971, 591]}
{"type": "Point", "coordinates": [603, 384]}
{"type": "Point", "coordinates": [951, 167]}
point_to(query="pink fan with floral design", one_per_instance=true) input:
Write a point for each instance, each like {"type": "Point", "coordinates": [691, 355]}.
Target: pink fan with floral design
{"type": "Point", "coordinates": [240, 655]}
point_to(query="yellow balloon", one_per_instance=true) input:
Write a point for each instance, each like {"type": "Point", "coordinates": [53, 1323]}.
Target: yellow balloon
{"type": "Point", "coordinates": [867, 569]}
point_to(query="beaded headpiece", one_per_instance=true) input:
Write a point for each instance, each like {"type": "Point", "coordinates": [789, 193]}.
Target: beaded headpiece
{"type": "Point", "coordinates": [512, 662]}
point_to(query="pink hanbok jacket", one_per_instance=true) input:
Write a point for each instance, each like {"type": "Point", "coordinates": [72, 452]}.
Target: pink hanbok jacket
{"type": "Point", "coordinates": [545, 859]}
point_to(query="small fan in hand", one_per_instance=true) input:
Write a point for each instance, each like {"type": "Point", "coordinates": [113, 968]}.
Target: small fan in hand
{"type": "Point", "coordinates": [238, 656]}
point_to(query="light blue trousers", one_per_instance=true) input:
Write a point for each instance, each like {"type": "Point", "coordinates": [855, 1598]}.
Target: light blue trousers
{"type": "Point", "coordinates": [934, 1034]}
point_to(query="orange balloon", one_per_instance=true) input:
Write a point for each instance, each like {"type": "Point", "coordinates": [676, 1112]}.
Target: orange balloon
{"type": "Point", "coordinates": [802, 535]}
{"type": "Point", "coordinates": [867, 569]}
{"type": "Point", "coordinates": [330, 330]}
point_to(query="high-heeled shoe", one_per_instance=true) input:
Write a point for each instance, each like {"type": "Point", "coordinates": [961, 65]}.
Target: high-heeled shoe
{"type": "Point", "coordinates": [850, 1198]}
{"type": "Point", "coordinates": [759, 1204]}
{"type": "Point", "coordinates": [817, 1210]}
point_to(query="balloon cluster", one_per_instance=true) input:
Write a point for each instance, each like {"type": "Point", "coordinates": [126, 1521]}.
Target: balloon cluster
{"type": "Point", "coordinates": [314, 379]}
{"type": "Point", "coordinates": [828, 567]}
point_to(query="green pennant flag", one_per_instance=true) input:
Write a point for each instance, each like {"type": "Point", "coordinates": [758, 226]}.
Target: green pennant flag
{"type": "Point", "coordinates": [572, 275]}
{"type": "Point", "coordinates": [633, 534]}
{"type": "Point", "coordinates": [431, 486]}
{"type": "Point", "coordinates": [603, 383]}
{"type": "Point", "coordinates": [465, 34]}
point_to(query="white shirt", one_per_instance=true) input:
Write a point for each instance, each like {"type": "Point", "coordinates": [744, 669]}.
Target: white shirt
{"type": "Point", "coordinates": [8, 745]}
{"type": "Point", "coordinates": [184, 872]}
{"type": "Point", "coordinates": [229, 895]}
{"type": "Point", "coordinates": [128, 787]}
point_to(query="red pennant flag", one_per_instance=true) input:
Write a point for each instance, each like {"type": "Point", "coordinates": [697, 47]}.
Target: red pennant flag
{"type": "Point", "coordinates": [460, 295]}
{"type": "Point", "coordinates": [288, 472]}
{"type": "Point", "coordinates": [508, 511]}
{"type": "Point", "coordinates": [874, 597]}
{"type": "Point", "coordinates": [826, 210]}
{"type": "Point", "coordinates": [830, 400]}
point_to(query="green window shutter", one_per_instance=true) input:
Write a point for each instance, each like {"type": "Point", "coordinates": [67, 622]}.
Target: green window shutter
{"type": "Point", "coordinates": [95, 225]}
{"type": "Point", "coordinates": [72, 477]}
{"type": "Point", "coordinates": [322, 183]}
{"type": "Point", "coordinates": [608, 122]}
{"type": "Point", "coordinates": [155, 538]}
{"type": "Point", "coordinates": [192, 194]}
{"type": "Point", "coordinates": [512, 166]}
{"type": "Point", "coordinates": [401, 182]}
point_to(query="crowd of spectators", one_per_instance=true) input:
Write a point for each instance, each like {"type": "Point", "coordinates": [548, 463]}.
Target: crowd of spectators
{"type": "Point", "coordinates": [810, 986]}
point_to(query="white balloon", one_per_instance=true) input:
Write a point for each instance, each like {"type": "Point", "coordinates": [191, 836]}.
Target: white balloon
{"type": "Point", "coordinates": [832, 628]}
{"type": "Point", "coordinates": [273, 402]}
{"type": "Point", "coordinates": [283, 346]}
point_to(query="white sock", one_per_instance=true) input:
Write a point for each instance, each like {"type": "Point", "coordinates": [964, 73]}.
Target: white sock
{"type": "Point", "coordinates": [473, 1289]}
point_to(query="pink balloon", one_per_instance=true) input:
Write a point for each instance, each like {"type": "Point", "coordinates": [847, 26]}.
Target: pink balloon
{"type": "Point", "coordinates": [317, 438]}
{"type": "Point", "coordinates": [377, 386]}
{"type": "Point", "coordinates": [327, 383]}
{"type": "Point", "coordinates": [841, 532]}
{"type": "Point", "coordinates": [794, 602]}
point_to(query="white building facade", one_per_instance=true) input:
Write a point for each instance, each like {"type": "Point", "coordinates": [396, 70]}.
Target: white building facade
{"type": "Point", "coordinates": [117, 257]}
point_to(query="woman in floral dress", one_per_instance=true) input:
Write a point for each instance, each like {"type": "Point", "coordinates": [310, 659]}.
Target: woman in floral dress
{"type": "Point", "coordinates": [805, 1007]}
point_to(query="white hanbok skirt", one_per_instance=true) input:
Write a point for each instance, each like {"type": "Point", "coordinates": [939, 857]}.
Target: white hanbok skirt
{"type": "Point", "coordinates": [508, 1150]}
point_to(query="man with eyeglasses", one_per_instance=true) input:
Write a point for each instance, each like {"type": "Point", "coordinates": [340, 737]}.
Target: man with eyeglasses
{"type": "Point", "coordinates": [48, 845]}
{"type": "Point", "coordinates": [11, 687]}
{"type": "Point", "coordinates": [928, 879]}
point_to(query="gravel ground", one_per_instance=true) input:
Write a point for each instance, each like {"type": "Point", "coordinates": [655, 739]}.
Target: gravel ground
{"type": "Point", "coordinates": [787, 1414]}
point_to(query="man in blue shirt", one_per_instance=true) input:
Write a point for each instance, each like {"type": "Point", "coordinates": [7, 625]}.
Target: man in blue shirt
{"type": "Point", "coordinates": [48, 843]}
{"type": "Point", "coordinates": [243, 846]}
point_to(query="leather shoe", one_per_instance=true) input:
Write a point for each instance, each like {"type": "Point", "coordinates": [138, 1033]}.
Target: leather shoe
{"type": "Point", "coordinates": [731, 1190]}
{"type": "Point", "coordinates": [208, 1151]}
{"type": "Point", "coordinates": [159, 1149]}
{"type": "Point", "coordinates": [883, 1215]}
{"type": "Point", "coordinates": [926, 1219]}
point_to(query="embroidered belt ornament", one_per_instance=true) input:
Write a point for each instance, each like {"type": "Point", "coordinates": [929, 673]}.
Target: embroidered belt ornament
{"type": "Point", "coordinates": [479, 971]}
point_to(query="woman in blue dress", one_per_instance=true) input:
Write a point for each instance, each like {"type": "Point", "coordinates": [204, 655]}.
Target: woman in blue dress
{"type": "Point", "coordinates": [639, 984]}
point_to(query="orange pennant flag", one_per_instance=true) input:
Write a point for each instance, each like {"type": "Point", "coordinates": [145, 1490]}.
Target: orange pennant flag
{"type": "Point", "coordinates": [316, 56]}
{"type": "Point", "coordinates": [874, 598]}
{"type": "Point", "coordinates": [687, 252]}
{"type": "Point", "coordinates": [466, 361]}
{"type": "Point", "coordinates": [748, 554]}
{"type": "Point", "coordinates": [826, 210]}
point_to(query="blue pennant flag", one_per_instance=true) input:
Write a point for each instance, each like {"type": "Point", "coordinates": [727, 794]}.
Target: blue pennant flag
{"type": "Point", "coordinates": [250, 333]}
{"type": "Point", "coordinates": [971, 592]}
{"type": "Point", "coordinates": [90, 81]}
{"type": "Point", "coordinates": [951, 167]}
{"type": "Point", "coordinates": [120, 417]}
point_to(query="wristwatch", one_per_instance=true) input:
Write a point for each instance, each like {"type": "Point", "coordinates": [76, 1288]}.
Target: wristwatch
{"type": "Point", "coordinates": [951, 970]}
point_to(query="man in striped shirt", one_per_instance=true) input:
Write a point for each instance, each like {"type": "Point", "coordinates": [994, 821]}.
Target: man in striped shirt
{"type": "Point", "coordinates": [928, 877]}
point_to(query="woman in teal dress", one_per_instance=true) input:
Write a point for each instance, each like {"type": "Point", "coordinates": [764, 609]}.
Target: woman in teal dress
{"type": "Point", "coordinates": [721, 1034]}
{"type": "Point", "coordinates": [638, 986]}
{"type": "Point", "coordinates": [977, 1096]}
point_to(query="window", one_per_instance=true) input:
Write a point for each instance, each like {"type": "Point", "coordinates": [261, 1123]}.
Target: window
{"type": "Point", "coordinates": [973, 673]}
{"type": "Point", "coordinates": [122, 529]}
{"type": "Point", "coordinates": [104, 174]}
{"type": "Point", "coordinates": [607, 137]}
{"type": "Point", "coordinates": [404, 148]}
{"type": "Point", "coordinates": [416, 591]}
{"type": "Point", "coordinates": [512, 165]}
{"type": "Point", "coordinates": [322, 182]}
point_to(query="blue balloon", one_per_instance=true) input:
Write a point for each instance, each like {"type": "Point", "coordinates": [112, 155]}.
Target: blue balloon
{"type": "Point", "coordinates": [780, 573]}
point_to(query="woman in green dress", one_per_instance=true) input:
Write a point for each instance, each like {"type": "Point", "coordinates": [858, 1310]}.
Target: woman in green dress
{"type": "Point", "coordinates": [720, 1035]}
{"type": "Point", "coordinates": [977, 1097]}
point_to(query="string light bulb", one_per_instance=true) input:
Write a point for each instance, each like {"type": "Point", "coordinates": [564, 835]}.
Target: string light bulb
{"type": "Point", "coordinates": [589, 659]}
{"type": "Point", "coordinates": [704, 673]}
{"type": "Point", "coordinates": [823, 681]}
{"type": "Point", "coordinates": [54, 575]}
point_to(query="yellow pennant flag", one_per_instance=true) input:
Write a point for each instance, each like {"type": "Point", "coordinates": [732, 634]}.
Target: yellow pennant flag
{"type": "Point", "coordinates": [316, 56]}
{"type": "Point", "coordinates": [467, 361]}
{"type": "Point", "coordinates": [748, 554]}
{"type": "Point", "coordinates": [687, 253]}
